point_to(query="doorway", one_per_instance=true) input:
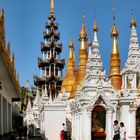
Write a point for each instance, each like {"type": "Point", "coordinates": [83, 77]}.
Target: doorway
{"type": "Point", "coordinates": [98, 122]}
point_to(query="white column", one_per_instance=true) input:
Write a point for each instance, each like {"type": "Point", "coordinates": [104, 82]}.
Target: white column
{"type": "Point", "coordinates": [59, 72]}
{"type": "Point", "coordinates": [109, 124]}
{"type": "Point", "coordinates": [86, 126]}
{"type": "Point", "coordinates": [125, 80]}
{"type": "Point", "coordinates": [80, 127]}
{"type": "Point", "coordinates": [78, 117]}
{"type": "Point", "coordinates": [135, 81]}
{"type": "Point", "coordinates": [123, 77]}
{"type": "Point", "coordinates": [132, 125]}
{"type": "Point", "coordinates": [73, 127]}
{"type": "Point", "coordinates": [125, 116]}
{"type": "Point", "coordinates": [77, 127]}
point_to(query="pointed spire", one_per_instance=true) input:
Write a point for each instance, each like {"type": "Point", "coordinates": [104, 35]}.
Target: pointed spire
{"type": "Point", "coordinates": [29, 107]}
{"type": "Point", "coordinates": [71, 49]}
{"type": "Point", "coordinates": [89, 42]}
{"type": "Point", "coordinates": [114, 35]}
{"type": "Point", "coordinates": [83, 55]}
{"type": "Point", "coordinates": [95, 30]}
{"type": "Point", "coordinates": [1, 14]}
{"type": "Point", "coordinates": [133, 22]}
{"type": "Point", "coordinates": [37, 98]}
{"type": "Point", "coordinates": [52, 7]}
{"type": "Point", "coordinates": [70, 72]}
{"type": "Point", "coordinates": [95, 27]}
{"type": "Point", "coordinates": [89, 46]}
{"type": "Point", "coordinates": [115, 76]}
{"type": "Point", "coordinates": [83, 34]}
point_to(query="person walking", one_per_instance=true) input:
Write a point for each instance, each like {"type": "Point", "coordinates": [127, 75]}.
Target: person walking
{"type": "Point", "coordinates": [65, 131]}
{"type": "Point", "coordinates": [122, 131]}
{"type": "Point", "coordinates": [116, 130]}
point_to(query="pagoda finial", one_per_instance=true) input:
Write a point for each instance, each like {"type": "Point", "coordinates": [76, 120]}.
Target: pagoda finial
{"type": "Point", "coordinates": [114, 32]}
{"type": "Point", "coordinates": [133, 22]}
{"type": "Point", "coordinates": [113, 11]}
{"type": "Point", "coordinates": [95, 27]}
{"type": "Point", "coordinates": [115, 59]}
{"type": "Point", "coordinates": [94, 9]}
{"type": "Point", "coordinates": [83, 55]}
{"type": "Point", "coordinates": [70, 76]}
{"type": "Point", "coordinates": [1, 13]}
{"type": "Point", "coordinates": [52, 7]}
{"type": "Point", "coordinates": [71, 49]}
{"type": "Point", "coordinates": [83, 34]}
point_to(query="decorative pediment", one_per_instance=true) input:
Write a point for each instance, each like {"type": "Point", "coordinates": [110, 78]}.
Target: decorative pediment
{"type": "Point", "coordinates": [101, 99]}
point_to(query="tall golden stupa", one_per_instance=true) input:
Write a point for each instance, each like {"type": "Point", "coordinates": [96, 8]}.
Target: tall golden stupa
{"type": "Point", "coordinates": [70, 76]}
{"type": "Point", "coordinates": [115, 68]}
{"type": "Point", "coordinates": [83, 55]}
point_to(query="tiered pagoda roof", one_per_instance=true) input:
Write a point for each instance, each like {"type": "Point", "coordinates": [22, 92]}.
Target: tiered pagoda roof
{"type": "Point", "coordinates": [50, 64]}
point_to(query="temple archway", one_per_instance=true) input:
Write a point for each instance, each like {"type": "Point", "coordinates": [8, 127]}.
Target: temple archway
{"type": "Point", "coordinates": [98, 122]}
{"type": "Point", "coordinates": [138, 123]}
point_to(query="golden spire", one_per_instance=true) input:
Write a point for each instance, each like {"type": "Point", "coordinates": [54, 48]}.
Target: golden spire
{"type": "Point", "coordinates": [52, 7]}
{"type": "Point", "coordinates": [115, 76]}
{"type": "Point", "coordinates": [89, 42]}
{"type": "Point", "coordinates": [71, 50]}
{"type": "Point", "coordinates": [83, 34]}
{"type": "Point", "coordinates": [70, 77]}
{"type": "Point", "coordinates": [1, 13]}
{"type": "Point", "coordinates": [82, 55]}
{"type": "Point", "coordinates": [114, 35]}
{"type": "Point", "coordinates": [133, 22]}
{"type": "Point", "coordinates": [95, 27]}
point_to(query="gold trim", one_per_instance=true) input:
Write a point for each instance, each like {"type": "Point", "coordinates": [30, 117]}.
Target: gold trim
{"type": "Point", "coordinates": [9, 61]}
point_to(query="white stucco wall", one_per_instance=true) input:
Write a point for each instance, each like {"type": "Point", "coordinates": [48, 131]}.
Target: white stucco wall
{"type": "Point", "coordinates": [8, 89]}
{"type": "Point", "coordinates": [54, 116]}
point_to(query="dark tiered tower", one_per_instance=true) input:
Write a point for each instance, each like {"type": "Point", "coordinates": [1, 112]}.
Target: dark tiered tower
{"type": "Point", "coordinates": [50, 66]}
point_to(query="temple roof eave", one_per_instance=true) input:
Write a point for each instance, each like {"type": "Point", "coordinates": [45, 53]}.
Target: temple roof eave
{"type": "Point", "coordinates": [6, 56]}
{"type": "Point", "coordinates": [43, 63]}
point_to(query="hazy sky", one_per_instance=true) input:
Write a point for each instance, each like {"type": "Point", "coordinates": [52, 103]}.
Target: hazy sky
{"type": "Point", "coordinates": [25, 23]}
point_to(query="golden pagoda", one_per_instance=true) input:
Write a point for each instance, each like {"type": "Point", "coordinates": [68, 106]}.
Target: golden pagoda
{"type": "Point", "coordinates": [115, 76]}
{"type": "Point", "coordinates": [82, 55]}
{"type": "Point", "coordinates": [70, 76]}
